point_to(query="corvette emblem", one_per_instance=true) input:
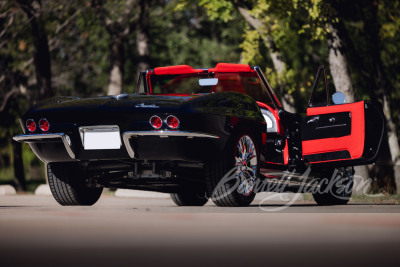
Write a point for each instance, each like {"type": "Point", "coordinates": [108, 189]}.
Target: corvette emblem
{"type": "Point", "coordinates": [146, 106]}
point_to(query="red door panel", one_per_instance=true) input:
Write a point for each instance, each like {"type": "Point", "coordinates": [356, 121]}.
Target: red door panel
{"type": "Point", "coordinates": [352, 143]}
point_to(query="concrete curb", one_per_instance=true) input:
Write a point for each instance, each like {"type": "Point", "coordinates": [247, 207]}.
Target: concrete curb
{"type": "Point", "coordinates": [140, 194]}
{"type": "Point", "coordinates": [6, 190]}
{"type": "Point", "coordinates": [43, 190]}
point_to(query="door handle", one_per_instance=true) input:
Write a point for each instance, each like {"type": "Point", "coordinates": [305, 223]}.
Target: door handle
{"type": "Point", "coordinates": [313, 120]}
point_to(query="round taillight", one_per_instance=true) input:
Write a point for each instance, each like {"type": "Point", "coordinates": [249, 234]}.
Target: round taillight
{"type": "Point", "coordinates": [31, 125]}
{"type": "Point", "coordinates": [172, 122]}
{"type": "Point", "coordinates": [44, 125]}
{"type": "Point", "coordinates": [156, 122]}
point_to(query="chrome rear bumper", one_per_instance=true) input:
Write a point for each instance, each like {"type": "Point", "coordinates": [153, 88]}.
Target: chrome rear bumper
{"type": "Point", "coordinates": [38, 137]}
{"type": "Point", "coordinates": [162, 134]}
{"type": "Point", "coordinates": [65, 139]}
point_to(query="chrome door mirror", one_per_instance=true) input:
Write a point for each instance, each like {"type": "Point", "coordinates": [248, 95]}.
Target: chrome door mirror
{"type": "Point", "coordinates": [338, 98]}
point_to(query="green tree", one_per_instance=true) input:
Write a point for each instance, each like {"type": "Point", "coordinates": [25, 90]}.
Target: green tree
{"type": "Point", "coordinates": [116, 17]}
{"type": "Point", "coordinates": [323, 21]}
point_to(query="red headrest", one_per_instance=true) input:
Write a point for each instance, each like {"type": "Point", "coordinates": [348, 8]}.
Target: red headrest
{"type": "Point", "coordinates": [179, 69]}
{"type": "Point", "coordinates": [229, 67]}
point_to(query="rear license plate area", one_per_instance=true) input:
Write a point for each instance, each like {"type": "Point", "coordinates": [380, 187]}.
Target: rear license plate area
{"type": "Point", "coordinates": [100, 137]}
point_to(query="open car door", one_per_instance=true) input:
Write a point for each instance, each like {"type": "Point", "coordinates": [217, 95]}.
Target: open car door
{"type": "Point", "coordinates": [341, 134]}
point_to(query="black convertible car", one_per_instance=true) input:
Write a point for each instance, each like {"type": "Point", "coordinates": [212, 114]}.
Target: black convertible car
{"type": "Point", "coordinates": [216, 133]}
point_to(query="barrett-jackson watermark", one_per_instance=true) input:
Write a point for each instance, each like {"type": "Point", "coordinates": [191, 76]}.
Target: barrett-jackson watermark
{"type": "Point", "coordinates": [318, 185]}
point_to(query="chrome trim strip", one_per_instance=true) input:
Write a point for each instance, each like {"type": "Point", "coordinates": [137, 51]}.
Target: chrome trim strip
{"type": "Point", "coordinates": [37, 137]}
{"type": "Point", "coordinates": [331, 126]}
{"type": "Point", "coordinates": [162, 134]}
{"type": "Point", "coordinates": [169, 133]}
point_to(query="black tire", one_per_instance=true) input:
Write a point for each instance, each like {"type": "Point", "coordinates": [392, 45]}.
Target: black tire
{"type": "Point", "coordinates": [225, 186]}
{"type": "Point", "coordinates": [190, 197]}
{"type": "Point", "coordinates": [68, 185]}
{"type": "Point", "coordinates": [336, 187]}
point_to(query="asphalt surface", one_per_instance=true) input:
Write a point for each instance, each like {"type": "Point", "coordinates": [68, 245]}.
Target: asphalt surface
{"type": "Point", "coordinates": [36, 231]}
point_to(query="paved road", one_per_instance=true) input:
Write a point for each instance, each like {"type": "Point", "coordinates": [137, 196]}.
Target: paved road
{"type": "Point", "coordinates": [35, 231]}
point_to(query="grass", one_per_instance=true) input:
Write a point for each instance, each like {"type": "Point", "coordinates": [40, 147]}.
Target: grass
{"type": "Point", "coordinates": [376, 199]}
{"type": "Point", "coordinates": [6, 174]}
{"type": "Point", "coordinates": [34, 177]}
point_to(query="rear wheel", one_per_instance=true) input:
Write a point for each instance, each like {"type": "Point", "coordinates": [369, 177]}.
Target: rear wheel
{"type": "Point", "coordinates": [231, 180]}
{"type": "Point", "coordinates": [336, 187]}
{"type": "Point", "coordinates": [190, 197]}
{"type": "Point", "coordinates": [68, 185]}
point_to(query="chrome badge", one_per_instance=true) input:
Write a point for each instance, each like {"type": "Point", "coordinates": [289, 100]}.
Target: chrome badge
{"type": "Point", "coordinates": [146, 106]}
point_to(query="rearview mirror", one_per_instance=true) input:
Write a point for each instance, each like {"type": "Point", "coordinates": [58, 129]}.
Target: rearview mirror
{"type": "Point", "coordinates": [338, 98]}
{"type": "Point", "coordinates": [208, 82]}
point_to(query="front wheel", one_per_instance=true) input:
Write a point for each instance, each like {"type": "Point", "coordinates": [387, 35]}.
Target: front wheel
{"type": "Point", "coordinates": [189, 196]}
{"type": "Point", "coordinates": [68, 185]}
{"type": "Point", "coordinates": [232, 179]}
{"type": "Point", "coordinates": [336, 186]}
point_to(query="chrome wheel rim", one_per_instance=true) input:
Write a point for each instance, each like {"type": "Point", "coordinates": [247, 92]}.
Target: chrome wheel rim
{"type": "Point", "coordinates": [246, 165]}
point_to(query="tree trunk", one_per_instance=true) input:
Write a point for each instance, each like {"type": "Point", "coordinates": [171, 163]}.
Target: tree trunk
{"type": "Point", "coordinates": [342, 81]}
{"type": "Point", "coordinates": [118, 29]}
{"type": "Point", "coordinates": [142, 37]}
{"type": "Point", "coordinates": [373, 72]}
{"type": "Point", "coordinates": [338, 65]}
{"type": "Point", "coordinates": [19, 175]}
{"type": "Point", "coordinates": [276, 57]}
{"type": "Point", "coordinates": [42, 62]}
{"type": "Point", "coordinates": [117, 66]}
{"type": "Point", "coordinates": [361, 183]}
{"type": "Point", "coordinates": [41, 57]}
{"type": "Point", "coordinates": [382, 84]}
{"type": "Point", "coordinates": [382, 92]}
{"type": "Point", "coordinates": [287, 101]}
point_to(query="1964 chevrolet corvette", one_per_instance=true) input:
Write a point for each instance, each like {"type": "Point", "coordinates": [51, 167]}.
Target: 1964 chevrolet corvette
{"type": "Point", "coordinates": [216, 133]}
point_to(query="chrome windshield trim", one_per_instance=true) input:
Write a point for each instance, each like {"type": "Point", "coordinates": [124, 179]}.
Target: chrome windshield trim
{"type": "Point", "coordinates": [37, 137]}
{"type": "Point", "coordinates": [268, 87]}
{"type": "Point", "coordinates": [162, 134]}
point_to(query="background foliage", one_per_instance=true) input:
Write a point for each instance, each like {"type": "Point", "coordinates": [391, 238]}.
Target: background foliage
{"type": "Point", "coordinates": [81, 35]}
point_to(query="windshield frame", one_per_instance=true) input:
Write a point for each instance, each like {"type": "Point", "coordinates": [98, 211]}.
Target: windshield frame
{"type": "Point", "coordinates": [264, 84]}
{"type": "Point", "coordinates": [178, 77]}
